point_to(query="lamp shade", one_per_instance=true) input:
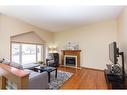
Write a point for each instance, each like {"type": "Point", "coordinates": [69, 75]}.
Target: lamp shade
{"type": "Point", "coordinates": [52, 50]}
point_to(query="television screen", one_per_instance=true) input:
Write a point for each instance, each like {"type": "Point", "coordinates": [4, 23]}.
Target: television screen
{"type": "Point", "coordinates": [116, 68]}
{"type": "Point", "coordinates": [113, 52]}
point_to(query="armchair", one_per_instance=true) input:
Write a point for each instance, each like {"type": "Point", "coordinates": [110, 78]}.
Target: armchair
{"type": "Point", "coordinates": [53, 60]}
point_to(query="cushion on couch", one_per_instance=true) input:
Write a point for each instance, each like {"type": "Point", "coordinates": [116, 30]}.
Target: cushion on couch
{"type": "Point", "coordinates": [30, 65]}
{"type": "Point", "coordinates": [5, 62]}
{"type": "Point", "coordinates": [16, 65]}
{"type": "Point", "coordinates": [32, 73]}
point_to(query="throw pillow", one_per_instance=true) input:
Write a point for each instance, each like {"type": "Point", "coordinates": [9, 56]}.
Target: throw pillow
{"type": "Point", "coordinates": [16, 65]}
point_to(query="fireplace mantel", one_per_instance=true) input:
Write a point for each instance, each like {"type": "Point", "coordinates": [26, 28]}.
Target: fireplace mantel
{"type": "Point", "coordinates": [73, 53]}
{"type": "Point", "coordinates": [71, 50]}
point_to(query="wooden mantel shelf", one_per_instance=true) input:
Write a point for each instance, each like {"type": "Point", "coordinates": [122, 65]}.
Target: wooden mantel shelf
{"type": "Point", "coordinates": [71, 50]}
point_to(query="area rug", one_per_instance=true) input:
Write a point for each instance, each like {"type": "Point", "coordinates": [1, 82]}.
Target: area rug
{"type": "Point", "coordinates": [62, 77]}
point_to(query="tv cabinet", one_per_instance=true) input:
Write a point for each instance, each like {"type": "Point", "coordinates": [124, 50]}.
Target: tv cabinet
{"type": "Point", "coordinates": [115, 81]}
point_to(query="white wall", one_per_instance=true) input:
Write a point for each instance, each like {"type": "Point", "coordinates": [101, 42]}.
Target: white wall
{"type": "Point", "coordinates": [93, 41]}
{"type": "Point", "coordinates": [122, 33]}
{"type": "Point", "coordinates": [10, 26]}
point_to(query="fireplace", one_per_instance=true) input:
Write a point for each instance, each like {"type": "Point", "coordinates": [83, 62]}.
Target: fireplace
{"type": "Point", "coordinates": [70, 60]}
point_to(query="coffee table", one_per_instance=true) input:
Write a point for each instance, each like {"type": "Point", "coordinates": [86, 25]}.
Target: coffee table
{"type": "Point", "coordinates": [48, 69]}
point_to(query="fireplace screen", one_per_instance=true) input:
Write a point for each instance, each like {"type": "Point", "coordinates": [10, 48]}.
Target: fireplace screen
{"type": "Point", "coordinates": [71, 61]}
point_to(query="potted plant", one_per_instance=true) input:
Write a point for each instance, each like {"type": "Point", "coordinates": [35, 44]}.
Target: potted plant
{"type": "Point", "coordinates": [42, 64]}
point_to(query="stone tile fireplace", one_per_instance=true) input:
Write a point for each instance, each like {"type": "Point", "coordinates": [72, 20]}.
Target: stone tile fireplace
{"type": "Point", "coordinates": [71, 58]}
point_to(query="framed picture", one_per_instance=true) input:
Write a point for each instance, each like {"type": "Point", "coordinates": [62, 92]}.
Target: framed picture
{"type": "Point", "coordinates": [72, 45]}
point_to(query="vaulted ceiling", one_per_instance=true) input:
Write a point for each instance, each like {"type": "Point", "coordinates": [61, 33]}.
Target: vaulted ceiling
{"type": "Point", "coordinates": [61, 18]}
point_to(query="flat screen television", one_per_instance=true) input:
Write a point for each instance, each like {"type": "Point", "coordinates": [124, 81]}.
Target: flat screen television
{"type": "Point", "coordinates": [113, 52]}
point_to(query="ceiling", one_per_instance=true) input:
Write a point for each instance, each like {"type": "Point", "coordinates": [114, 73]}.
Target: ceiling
{"type": "Point", "coordinates": [60, 18]}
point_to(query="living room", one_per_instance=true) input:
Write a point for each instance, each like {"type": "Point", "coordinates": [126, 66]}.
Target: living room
{"type": "Point", "coordinates": [84, 32]}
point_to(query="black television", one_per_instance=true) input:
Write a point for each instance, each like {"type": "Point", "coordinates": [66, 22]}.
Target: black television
{"type": "Point", "coordinates": [113, 52]}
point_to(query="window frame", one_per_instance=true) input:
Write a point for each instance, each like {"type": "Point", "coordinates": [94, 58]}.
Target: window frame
{"type": "Point", "coordinates": [20, 49]}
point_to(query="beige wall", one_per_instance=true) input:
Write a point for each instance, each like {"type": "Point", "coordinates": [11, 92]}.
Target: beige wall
{"type": "Point", "coordinates": [93, 41]}
{"type": "Point", "coordinates": [122, 33]}
{"type": "Point", "coordinates": [10, 26]}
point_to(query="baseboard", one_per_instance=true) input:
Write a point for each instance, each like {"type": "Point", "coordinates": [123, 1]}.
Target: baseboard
{"type": "Point", "coordinates": [93, 69]}
{"type": "Point", "coordinates": [71, 67]}
{"type": "Point", "coordinates": [83, 68]}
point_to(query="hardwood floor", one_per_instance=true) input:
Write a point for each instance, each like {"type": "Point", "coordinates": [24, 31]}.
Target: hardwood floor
{"type": "Point", "coordinates": [84, 79]}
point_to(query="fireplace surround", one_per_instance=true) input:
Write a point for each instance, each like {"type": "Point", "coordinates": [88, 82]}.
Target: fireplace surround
{"type": "Point", "coordinates": [71, 58]}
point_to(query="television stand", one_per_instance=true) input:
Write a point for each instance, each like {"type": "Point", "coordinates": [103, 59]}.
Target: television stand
{"type": "Point", "coordinates": [116, 81]}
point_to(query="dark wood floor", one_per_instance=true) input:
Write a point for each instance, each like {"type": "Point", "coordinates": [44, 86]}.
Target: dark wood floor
{"type": "Point", "coordinates": [84, 79]}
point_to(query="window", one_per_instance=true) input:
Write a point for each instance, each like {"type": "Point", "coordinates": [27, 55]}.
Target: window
{"type": "Point", "coordinates": [26, 53]}
{"type": "Point", "coordinates": [39, 52]}
{"type": "Point", "coordinates": [15, 53]}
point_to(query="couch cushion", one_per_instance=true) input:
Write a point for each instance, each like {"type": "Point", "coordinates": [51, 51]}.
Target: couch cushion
{"type": "Point", "coordinates": [30, 65]}
{"type": "Point", "coordinates": [16, 65]}
{"type": "Point", "coordinates": [32, 73]}
{"type": "Point", "coordinates": [4, 62]}
{"type": "Point", "coordinates": [38, 80]}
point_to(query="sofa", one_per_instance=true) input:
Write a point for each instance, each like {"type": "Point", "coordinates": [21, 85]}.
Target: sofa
{"type": "Point", "coordinates": [36, 80]}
